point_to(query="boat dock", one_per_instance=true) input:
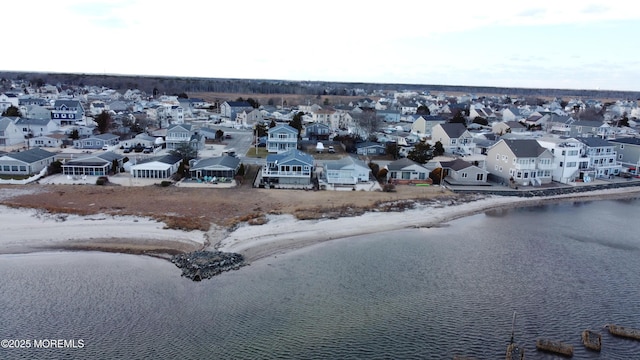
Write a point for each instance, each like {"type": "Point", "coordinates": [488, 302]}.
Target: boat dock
{"type": "Point", "coordinates": [555, 347]}
{"type": "Point", "coordinates": [592, 340]}
{"type": "Point", "coordinates": [622, 331]}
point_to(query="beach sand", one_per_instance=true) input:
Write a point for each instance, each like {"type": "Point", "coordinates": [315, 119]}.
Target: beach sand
{"type": "Point", "coordinates": [28, 230]}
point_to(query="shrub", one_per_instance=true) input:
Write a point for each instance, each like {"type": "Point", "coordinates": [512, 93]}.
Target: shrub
{"type": "Point", "coordinates": [166, 183]}
{"type": "Point", "coordinates": [102, 180]}
{"type": "Point", "coordinates": [389, 187]}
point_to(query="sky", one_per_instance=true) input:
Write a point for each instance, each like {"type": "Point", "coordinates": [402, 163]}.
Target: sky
{"type": "Point", "coordinates": [563, 44]}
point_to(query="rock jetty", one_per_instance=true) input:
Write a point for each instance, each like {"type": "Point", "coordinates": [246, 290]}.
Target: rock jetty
{"type": "Point", "coordinates": [200, 265]}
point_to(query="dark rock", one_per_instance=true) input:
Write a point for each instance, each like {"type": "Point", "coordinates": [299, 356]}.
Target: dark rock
{"type": "Point", "coordinates": [200, 265]}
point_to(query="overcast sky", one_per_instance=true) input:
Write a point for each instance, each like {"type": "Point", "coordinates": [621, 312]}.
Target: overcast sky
{"type": "Point", "coordinates": [556, 44]}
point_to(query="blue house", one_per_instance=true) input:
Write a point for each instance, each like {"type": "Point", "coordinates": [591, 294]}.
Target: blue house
{"type": "Point", "coordinates": [67, 112]}
{"type": "Point", "coordinates": [370, 148]}
{"type": "Point", "coordinates": [293, 167]}
{"type": "Point", "coordinates": [282, 138]}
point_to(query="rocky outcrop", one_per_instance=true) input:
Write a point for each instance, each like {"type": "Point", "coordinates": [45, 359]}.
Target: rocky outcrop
{"type": "Point", "coordinates": [200, 265]}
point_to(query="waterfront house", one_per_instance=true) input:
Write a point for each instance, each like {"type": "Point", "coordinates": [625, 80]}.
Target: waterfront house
{"type": "Point", "coordinates": [523, 161]}
{"type": "Point", "coordinates": [628, 151]}
{"type": "Point", "coordinates": [346, 171]}
{"type": "Point", "coordinates": [598, 158]}
{"type": "Point", "coordinates": [406, 171]}
{"type": "Point", "coordinates": [220, 167]}
{"type": "Point", "coordinates": [455, 138]}
{"type": "Point", "coordinates": [96, 141]}
{"type": "Point", "coordinates": [27, 162]}
{"type": "Point", "coordinates": [461, 172]}
{"type": "Point", "coordinates": [93, 165]}
{"type": "Point", "coordinates": [282, 138]}
{"type": "Point", "coordinates": [10, 134]}
{"type": "Point", "coordinates": [292, 167]}
{"type": "Point", "coordinates": [566, 158]}
{"type": "Point", "coordinates": [158, 167]}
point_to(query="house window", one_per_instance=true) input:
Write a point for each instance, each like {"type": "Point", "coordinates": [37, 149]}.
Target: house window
{"type": "Point", "coordinates": [560, 163]}
{"type": "Point", "coordinates": [464, 175]}
{"type": "Point", "coordinates": [621, 146]}
{"type": "Point", "coordinates": [422, 176]}
{"type": "Point", "coordinates": [526, 174]}
{"type": "Point", "coordinates": [453, 141]}
{"type": "Point", "coordinates": [6, 168]}
{"type": "Point", "coordinates": [571, 164]}
{"type": "Point", "coordinates": [480, 177]}
{"type": "Point", "coordinates": [496, 167]}
{"type": "Point", "coordinates": [500, 168]}
{"type": "Point", "coordinates": [406, 175]}
{"type": "Point", "coordinates": [497, 156]}
{"type": "Point", "coordinates": [14, 167]}
{"type": "Point", "coordinates": [547, 173]}
{"type": "Point", "coordinates": [504, 157]}
{"type": "Point", "coordinates": [519, 174]}
{"type": "Point", "coordinates": [23, 168]}
{"type": "Point", "coordinates": [393, 175]}
{"type": "Point", "coordinates": [619, 156]}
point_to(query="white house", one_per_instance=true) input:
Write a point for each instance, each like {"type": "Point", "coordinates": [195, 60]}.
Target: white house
{"type": "Point", "coordinates": [566, 158]}
{"type": "Point", "coordinates": [10, 134]}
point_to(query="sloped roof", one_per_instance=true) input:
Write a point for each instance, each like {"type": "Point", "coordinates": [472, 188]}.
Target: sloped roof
{"type": "Point", "coordinates": [283, 127]}
{"type": "Point", "coordinates": [290, 155]}
{"type": "Point", "coordinates": [25, 121]}
{"type": "Point", "coordinates": [630, 141]}
{"type": "Point", "coordinates": [165, 159]}
{"type": "Point", "coordinates": [230, 162]}
{"type": "Point", "coordinates": [31, 155]}
{"type": "Point", "coordinates": [526, 148]}
{"type": "Point", "coordinates": [456, 165]}
{"type": "Point", "coordinates": [401, 164]}
{"type": "Point", "coordinates": [345, 162]}
{"type": "Point", "coordinates": [453, 130]}
{"type": "Point", "coordinates": [594, 141]}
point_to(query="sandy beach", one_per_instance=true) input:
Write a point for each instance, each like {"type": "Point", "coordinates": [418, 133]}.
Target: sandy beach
{"type": "Point", "coordinates": [29, 230]}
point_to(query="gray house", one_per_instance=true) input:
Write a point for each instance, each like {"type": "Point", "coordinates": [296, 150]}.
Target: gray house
{"type": "Point", "coordinates": [178, 134]}
{"type": "Point", "coordinates": [523, 160]}
{"type": "Point", "coordinates": [282, 138]}
{"type": "Point", "coordinates": [370, 148]}
{"type": "Point", "coordinates": [628, 150]}
{"type": "Point", "coordinates": [26, 162]}
{"type": "Point", "coordinates": [406, 171]}
{"type": "Point", "coordinates": [93, 165]}
{"type": "Point", "coordinates": [460, 172]}
{"type": "Point", "coordinates": [220, 167]}
{"type": "Point", "coordinates": [161, 167]}
{"type": "Point", "coordinates": [346, 171]}
{"type": "Point", "coordinates": [96, 141]}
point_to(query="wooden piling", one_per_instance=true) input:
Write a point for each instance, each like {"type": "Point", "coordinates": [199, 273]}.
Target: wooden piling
{"type": "Point", "coordinates": [592, 340]}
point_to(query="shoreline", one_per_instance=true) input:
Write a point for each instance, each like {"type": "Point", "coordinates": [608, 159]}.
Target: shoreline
{"type": "Point", "coordinates": [31, 230]}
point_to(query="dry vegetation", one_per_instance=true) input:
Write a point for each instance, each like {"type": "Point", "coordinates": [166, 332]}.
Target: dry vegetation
{"type": "Point", "coordinates": [198, 208]}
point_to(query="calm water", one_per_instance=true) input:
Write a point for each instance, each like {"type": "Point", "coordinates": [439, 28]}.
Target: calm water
{"type": "Point", "coordinates": [420, 293]}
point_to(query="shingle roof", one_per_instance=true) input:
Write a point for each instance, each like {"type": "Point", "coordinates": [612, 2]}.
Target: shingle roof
{"type": "Point", "coordinates": [453, 130]}
{"type": "Point", "coordinates": [526, 148]}
{"type": "Point", "coordinates": [223, 161]}
{"type": "Point", "coordinates": [456, 165]}
{"type": "Point", "coordinates": [31, 155]}
{"type": "Point", "coordinates": [594, 141]}
{"type": "Point", "coordinates": [290, 155]}
{"type": "Point", "coordinates": [630, 141]}
{"type": "Point", "coordinates": [401, 164]}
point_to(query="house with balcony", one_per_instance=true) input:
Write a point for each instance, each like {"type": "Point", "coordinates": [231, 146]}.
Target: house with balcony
{"type": "Point", "coordinates": [218, 167]}
{"type": "Point", "coordinates": [230, 109]}
{"type": "Point", "coordinates": [455, 138]}
{"type": "Point", "coordinates": [178, 134]}
{"type": "Point", "coordinates": [585, 128]}
{"type": "Point", "coordinates": [67, 112]}
{"type": "Point", "coordinates": [461, 172]}
{"type": "Point", "coordinates": [628, 151]}
{"type": "Point", "coordinates": [317, 131]}
{"type": "Point", "coordinates": [282, 138]}
{"type": "Point", "coordinates": [292, 168]}
{"type": "Point", "coordinates": [520, 162]}
{"type": "Point", "coordinates": [598, 158]}
{"type": "Point", "coordinates": [566, 158]}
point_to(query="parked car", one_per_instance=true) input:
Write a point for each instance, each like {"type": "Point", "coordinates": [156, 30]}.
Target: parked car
{"type": "Point", "coordinates": [331, 150]}
{"type": "Point", "coordinates": [126, 150]}
{"type": "Point", "coordinates": [147, 150]}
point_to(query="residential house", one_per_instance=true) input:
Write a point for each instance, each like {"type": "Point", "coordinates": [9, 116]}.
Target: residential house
{"type": "Point", "coordinates": [36, 127]}
{"type": "Point", "coordinates": [10, 134]}
{"type": "Point", "coordinates": [292, 167]}
{"type": "Point", "coordinates": [479, 110]}
{"type": "Point", "coordinates": [346, 171]}
{"type": "Point", "coordinates": [51, 140]}
{"type": "Point", "coordinates": [160, 167]}
{"type": "Point", "coordinates": [566, 158]}
{"type": "Point", "coordinates": [317, 131]}
{"type": "Point", "coordinates": [424, 124]}
{"type": "Point", "coordinates": [141, 140]}
{"type": "Point", "coordinates": [93, 165]}
{"type": "Point", "coordinates": [248, 118]}
{"type": "Point", "coordinates": [504, 127]}
{"type": "Point", "coordinates": [585, 128]}
{"type": "Point", "coordinates": [97, 107]}
{"type": "Point", "coordinates": [219, 167]}
{"type": "Point", "coordinates": [178, 134]}
{"type": "Point", "coordinates": [598, 158]}
{"type": "Point", "coordinates": [628, 150]}
{"type": "Point", "coordinates": [370, 148]}
{"type": "Point", "coordinates": [523, 161]}
{"type": "Point", "coordinates": [229, 109]}
{"type": "Point", "coordinates": [8, 100]}
{"type": "Point", "coordinates": [67, 112]}
{"type": "Point", "coordinates": [27, 162]}
{"type": "Point", "coordinates": [455, 138]}
{"type": "Point", "coordinates": [513, 114]}
{"type": "Point", "coordinates": [96, 141]}
{"type": "Point", "coordinates": [461, 172]}
{"type": "Point", "coordinates": [282, 138]}
{"type": "Point", "coordinates": [329, 117]}
{"type": "Point", "coordinates": [35, 112]}
{"type": "Point", "coordinates": [389, 116]}
{"type": "Point", "coordinates": [406, 171]}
